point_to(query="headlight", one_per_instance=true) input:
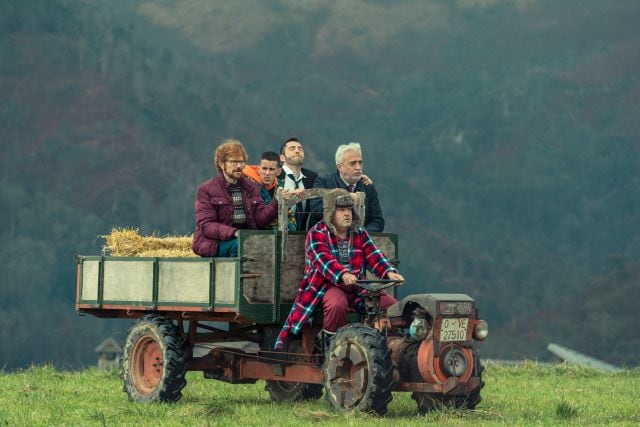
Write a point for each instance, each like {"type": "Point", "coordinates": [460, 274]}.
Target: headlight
{"type": "Point", "coordinates": [481, 330]}
{"type": "Point", "coordinates": [419, 329]}
{"type": "Point", "coordinates": [454, 362]}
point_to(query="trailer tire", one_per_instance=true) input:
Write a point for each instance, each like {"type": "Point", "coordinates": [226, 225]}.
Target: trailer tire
{"type": "Point", "coordinates": [153, 363]}
{"type": "Point", "coordinates": [358, 370]}
{"type": "Point", "coordinates": [285, 391]}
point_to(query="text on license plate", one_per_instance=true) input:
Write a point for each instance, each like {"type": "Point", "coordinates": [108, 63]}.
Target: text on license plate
{"type": "Point", "coordinates": [453, 329]}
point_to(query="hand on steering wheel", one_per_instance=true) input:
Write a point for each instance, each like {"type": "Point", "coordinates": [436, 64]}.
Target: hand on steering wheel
{"type": "Point", "coordinates": [395, 276]}
{"type": "Point", "coordinates": [349, 279]}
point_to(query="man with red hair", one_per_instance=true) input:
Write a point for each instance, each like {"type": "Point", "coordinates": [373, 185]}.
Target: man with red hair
{"type": "Point", "coordinates": [228, 203]}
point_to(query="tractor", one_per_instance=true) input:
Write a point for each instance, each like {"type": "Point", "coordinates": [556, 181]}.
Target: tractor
{"type": "Point", "coordinates": [221, 316]}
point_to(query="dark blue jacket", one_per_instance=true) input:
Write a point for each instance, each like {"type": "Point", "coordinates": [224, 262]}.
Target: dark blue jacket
{"type": "Point", "coordinates": [373, 220]}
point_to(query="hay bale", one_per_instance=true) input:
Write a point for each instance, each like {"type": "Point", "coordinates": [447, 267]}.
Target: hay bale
{"type": "Point", "coordinates": [127, 242]}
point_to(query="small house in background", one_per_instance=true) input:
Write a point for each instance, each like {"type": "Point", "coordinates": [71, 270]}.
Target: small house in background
{"type": "Point", "coordinates": [109, 352]}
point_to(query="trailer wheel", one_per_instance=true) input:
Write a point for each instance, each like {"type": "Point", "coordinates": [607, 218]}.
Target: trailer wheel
{"type": "Point", "coordinates": [153, 363]}
{"type": "Point", "coordinates": [429, 402]}
{"type": "Point", "coordinates": [285, 391]}
{"type": "Point", "coordinates": [358, 370]}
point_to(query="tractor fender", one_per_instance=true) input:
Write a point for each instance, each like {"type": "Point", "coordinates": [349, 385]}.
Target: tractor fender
{"type": "Point", "coordinates": [428, 302]}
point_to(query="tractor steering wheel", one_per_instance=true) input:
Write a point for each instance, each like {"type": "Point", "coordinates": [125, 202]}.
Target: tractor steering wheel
{"type": "Point", "coordinates": [376, 285]}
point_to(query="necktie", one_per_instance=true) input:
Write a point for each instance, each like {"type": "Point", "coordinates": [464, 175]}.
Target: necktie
{"type": "Point", "coordinates": [300, 206]}
{"type": "Point", "coordinates": [296, 182]}
{"type": "Point", "coordinates": [351, 188]}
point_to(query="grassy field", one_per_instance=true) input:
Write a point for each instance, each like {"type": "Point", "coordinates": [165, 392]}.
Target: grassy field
{"type": "Point", "coordinates": [526, 395]}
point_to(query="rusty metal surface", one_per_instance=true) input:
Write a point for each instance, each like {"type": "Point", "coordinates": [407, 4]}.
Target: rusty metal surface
{"type": "Point", "coordinates": [237, 366]}
{"type": "Point", "coordinates": [419, 387]}
{"type": "Point", "coordinates": [292, 373]}
{"type": "Point", "coordinates": [175, 313]}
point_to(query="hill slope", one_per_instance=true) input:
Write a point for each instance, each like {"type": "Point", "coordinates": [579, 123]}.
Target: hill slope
{"type": "Point", "coordinates": [503, 138]}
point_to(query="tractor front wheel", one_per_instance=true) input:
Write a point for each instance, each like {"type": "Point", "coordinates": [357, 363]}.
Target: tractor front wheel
{"type": "Point", "coordinates": [358, 370]}
{"type": "Point", "coordinates": [153, 363]}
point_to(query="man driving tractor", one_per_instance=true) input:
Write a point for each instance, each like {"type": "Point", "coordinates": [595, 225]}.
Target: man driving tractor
{"type": "Point", "coordinates": [338, 252]}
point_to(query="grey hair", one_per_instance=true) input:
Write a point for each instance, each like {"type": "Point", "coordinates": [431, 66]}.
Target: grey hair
{"type": "Point", "coordinates": [352, 146]}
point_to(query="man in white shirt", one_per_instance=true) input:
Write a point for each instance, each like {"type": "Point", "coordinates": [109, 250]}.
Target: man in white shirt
{"type": "Point", "coordinates": [294, 177]}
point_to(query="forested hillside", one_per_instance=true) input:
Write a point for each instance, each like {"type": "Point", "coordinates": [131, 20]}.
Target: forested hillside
{"type": "Point", "coordinates": [503, 137]}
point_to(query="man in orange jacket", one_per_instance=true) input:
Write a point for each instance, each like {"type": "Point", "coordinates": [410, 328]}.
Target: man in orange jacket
{"type": "Point", "coordinates": [266, 176]}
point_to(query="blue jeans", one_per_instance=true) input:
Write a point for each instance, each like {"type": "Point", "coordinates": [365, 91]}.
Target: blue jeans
{"type": "Point", "coordinates": [228, 248]}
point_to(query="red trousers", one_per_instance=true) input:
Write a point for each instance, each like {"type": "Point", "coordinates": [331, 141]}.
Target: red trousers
{"type": "Point", "coordinates": [336, 304]}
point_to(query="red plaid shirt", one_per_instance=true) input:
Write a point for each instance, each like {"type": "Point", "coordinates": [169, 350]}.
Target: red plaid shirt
{"type": "Point", "coordinates": [322, 268]}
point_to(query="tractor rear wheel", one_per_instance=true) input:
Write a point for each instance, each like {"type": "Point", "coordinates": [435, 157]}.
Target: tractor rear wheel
{"type": "Point", "coordinates": [358, 370]}
{"type": "Point", "coordinates": [153, 363]}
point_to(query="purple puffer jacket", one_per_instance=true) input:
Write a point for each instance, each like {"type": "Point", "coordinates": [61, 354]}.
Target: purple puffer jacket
{"type": "Point", "coordinates": [214, 213]}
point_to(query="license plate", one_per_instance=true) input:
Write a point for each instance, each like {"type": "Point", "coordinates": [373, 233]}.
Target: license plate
{"type": "Point", "coordinates": [453, 330]}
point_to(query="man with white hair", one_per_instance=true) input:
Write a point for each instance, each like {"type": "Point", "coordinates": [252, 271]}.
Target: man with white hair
{"type": "Point", "coordinates": [349, 176]}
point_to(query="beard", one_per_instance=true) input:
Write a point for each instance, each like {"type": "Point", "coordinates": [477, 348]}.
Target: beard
{"type": "Point", "coordinates": [294, 160]}
{"type": "Point", "coordinates": [235, 174]}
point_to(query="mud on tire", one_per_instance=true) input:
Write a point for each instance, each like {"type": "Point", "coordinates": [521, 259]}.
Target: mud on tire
{"type": "Point", "coordinates": [359, 371]}
{"type": "Point", "coordinates": [153, 363]}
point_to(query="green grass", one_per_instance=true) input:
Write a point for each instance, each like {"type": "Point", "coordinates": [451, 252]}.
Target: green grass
{"type": "Point", "coordinates": [526, 395]}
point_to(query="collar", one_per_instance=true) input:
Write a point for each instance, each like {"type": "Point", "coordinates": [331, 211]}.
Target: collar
{"type": "Point", "coordinates": [288, 171]}
{"type": "Point", "coordinates": [346, 184]}
{"type": "Point", "coordinates": [252, 172]}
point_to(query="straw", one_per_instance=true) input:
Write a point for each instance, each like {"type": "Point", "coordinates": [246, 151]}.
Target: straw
{"type": "Point", "coordinates": [127, 242]}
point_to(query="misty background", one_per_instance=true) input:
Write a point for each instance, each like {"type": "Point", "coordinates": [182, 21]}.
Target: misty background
{"type": "Point", "coordinates": [503, 137]}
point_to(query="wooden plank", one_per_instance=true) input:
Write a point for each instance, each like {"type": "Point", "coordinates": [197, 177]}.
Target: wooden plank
{"type": "Point", "coordinates": [185, 282]}
{"type": "Point", "coordinates": [126, 280]}
{"type": "Point", "coordinates": [292, 267]}
{"type": "Point", "coordinates": [259, 258]}
{"type": "Point", "coordinates": [386, 243]}
{"type": "Point", "coordinates": [226, 281]}
{"type": "Point", "coordinates": [90, 276]}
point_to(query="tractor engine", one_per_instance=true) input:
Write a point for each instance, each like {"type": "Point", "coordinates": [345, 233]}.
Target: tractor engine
{"type": "Point", "coordinates": [439, 348]}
